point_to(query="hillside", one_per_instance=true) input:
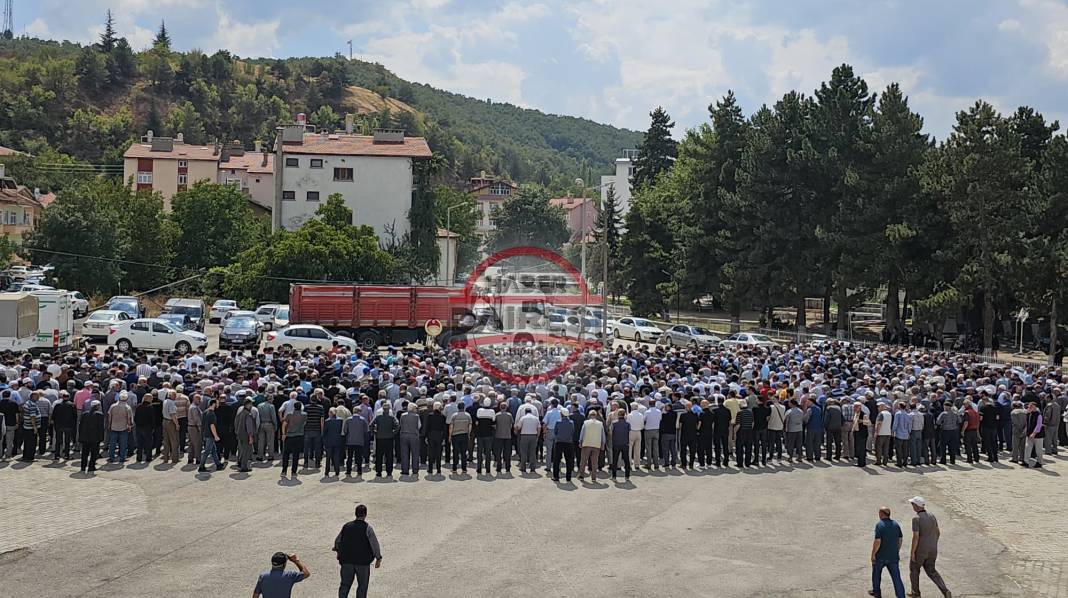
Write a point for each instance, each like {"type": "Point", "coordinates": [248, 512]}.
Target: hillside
{"type": "Point", "coordinates": [89, 102]}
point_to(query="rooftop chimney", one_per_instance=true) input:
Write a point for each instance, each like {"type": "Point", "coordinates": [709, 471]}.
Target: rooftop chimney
{"type": "Point", "coordinates": [348, 123]}
{"type": "Point", "coordinates": [2, 171]}
{"type": "Point", "coordinates": [301, 118]}
{"type": "Point", "coordinates": [264, 163]}
{"type": "Point", "coordinates": [389, 136]}
{"type": "Point", "coordinates": [149, 135]}
{"type": "Point", "coordinates": [259, 144]}
{"type": "Point", "coordinates": [215, 148]}
{"type": "Point", "coordinates": [180, 138]}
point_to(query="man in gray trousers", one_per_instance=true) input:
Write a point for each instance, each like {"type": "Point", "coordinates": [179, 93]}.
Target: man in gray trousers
{"type": "Point", "coordinates": [409, 440]}
{"type": "Point", "coordinates": [265, 449]}
{"type": "Point", "coordinates": [357, 547]}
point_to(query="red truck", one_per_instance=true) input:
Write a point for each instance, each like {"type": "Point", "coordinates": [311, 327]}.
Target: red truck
{"type": "Point", "coordinates": [373, 315]}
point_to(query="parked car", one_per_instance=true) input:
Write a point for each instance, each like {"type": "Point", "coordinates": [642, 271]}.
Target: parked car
{"type": "Point", "coordinates": [306, 336]}
{"type": "Point", "coordinates": [79, 304]}
{"type": "Point", "coordinates": [194, 308]}
{"type": "Point", "coordinates": [131, 305]}
{"type": "Point", "coordinates": [705, 302]}
{"type": "Point", "coordinates": [281, 318]}
{"type": "Point", "coordinates": [637, 329]}
{"type": "Point", "coordinates": [154, 334]}
{"type": "Point", "coordinates": [589, 327]}
{"type": "Point", "coordinates": [749, 339]}
{"type": "Point", "coordinates": [182, 321]}
{"type": "Point", "coordinates": [219, 309]}
{"type": "Point", "coordinates": [556, 324]}
{"type": "Point", "coordinates": [233, 313]}
{"type": "Point", "coordinates": [266, 312]}
{"type": "Point", "coordinates": [681, 335]}
{"type": "Point", "coordinates": [99, 323]}
{"type": "Point", "coordinates": [241, 332]}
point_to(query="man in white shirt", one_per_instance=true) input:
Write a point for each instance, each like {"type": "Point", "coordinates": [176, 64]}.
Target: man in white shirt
{"type": "Point", "coordinates": [527, 427]}
{"type": "Point", "coordinates": [653, 415]}
{"type": "Point", "coordinates": [636, 419]}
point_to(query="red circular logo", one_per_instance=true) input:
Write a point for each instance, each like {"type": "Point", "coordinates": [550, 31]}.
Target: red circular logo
{"type": "Point", "coordinates": [511, 300]}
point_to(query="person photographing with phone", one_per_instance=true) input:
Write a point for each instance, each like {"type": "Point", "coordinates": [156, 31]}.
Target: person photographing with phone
{"type": "Point", "coordinates": [277, 582]}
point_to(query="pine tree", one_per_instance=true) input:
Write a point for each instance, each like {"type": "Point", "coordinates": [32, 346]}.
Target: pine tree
{"type": "Point", "coordinates": [658, 150]}
{"type": "Point", "coordinates": [163, 39]}
{"type": "Point", "coordinates": [108, 37]}
{"type": "Point", "coordinates": [609, 220]}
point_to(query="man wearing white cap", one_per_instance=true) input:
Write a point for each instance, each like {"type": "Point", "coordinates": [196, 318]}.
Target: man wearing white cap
{"type": "Point", "coordinates": [924, 548]}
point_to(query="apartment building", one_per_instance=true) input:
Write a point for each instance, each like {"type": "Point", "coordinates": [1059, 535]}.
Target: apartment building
{"type": "Point", "coordinates": [490, 193]}
{"type": "Point", "coordinates": [581, 216]}
{"type": "Point", "coordinates": [20, 210]}
{"type": "Point", "coordinates": [171, 166]}
{"type": "Point", "coordinates": [373, 173]}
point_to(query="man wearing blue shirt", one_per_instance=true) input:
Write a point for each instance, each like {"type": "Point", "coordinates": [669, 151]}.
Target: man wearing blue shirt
{"type": "Point", "coordinates": [278, 583]}
{"type": "Point", "coordinates": [884, 554]}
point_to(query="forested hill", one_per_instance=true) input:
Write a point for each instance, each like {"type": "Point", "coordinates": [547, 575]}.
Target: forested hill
{"type": "Point", "coordinates": [63, 101]}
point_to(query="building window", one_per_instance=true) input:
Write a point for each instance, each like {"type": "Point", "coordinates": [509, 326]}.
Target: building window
{"type": "Point", "coordinates": [183, 179]}
{"type": "Point", "coordinates": [289, 195]}
{"type": "Point", "coordinates": [12, 218]}
{"type": "Point", "coordinates": [342, 174]}
{"type": "Point", "coordinates": [257, 180]}
{"type": "Point", "coordinates": [313, 196]}
{"type": "Point", "coordinates": [500, 189]}
{"type": "Point", "coordinates": [316, 163]}
{"type": "Point", "coordinates": [182, 163]}
{"type": "Point", "coordinates": [144, 178]}
{"type": "Point", "coordinates": [25, 217]}
{"type": "Point", "coordinates": [292, 162]}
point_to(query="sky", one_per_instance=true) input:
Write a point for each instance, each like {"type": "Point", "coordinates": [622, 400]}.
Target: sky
{"type": "Point", "coordinates": [613, 61]}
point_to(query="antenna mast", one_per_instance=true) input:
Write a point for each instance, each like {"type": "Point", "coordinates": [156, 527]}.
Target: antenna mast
{"type": "Point", "coordinates": [9, 20]}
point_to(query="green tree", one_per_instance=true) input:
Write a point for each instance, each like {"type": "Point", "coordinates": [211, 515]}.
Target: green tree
{"type": "Point", "coordinates": [92, 70]}
{"type": "Point", "coordinates": [121, 62]}
{"type": "Point", "coordinates": [98, 137]}
{"type": "Point", "coordinates": [214, 224]}
{"type": "Point", "coordinates": [334, 212]}
{"type": "Point", "coordinates": [186, 120]}
{"type": "Point", "coordinates": [108, 37]}
{"type": "Point", "coordinates": [422, 237]}
{"type": "Point", "coordinates": [8, 247]}
{"type": "Point", "coordinates": [69, 237]}
{"type": "Point", "coordinates": [163, 39]}
{"type": "Point", "coordinates": [527, 219]}
{"type": "Point", "coordinates": [647, 247]}
{"type": "Point", "coordinates": [456, 211]}
{"type": "Point", "coordinates": [325, 119]}
{"type": "Point", "coordinates": [657, 151]}
{"type": "Point", "coordinates": [981, 178]}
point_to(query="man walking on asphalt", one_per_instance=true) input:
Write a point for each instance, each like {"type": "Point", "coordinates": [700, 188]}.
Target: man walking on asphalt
{"type": "Point", "coordinates": [884, 554]}
{"type": "Point", "coordinates": [357, 547]}
{"type": "Point", "coordinates": [277, 582]}
{"type": "Point", "coordinates": [924, 549]}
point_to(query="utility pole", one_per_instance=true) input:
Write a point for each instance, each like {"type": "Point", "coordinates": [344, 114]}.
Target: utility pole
{"type": "Point", "coordinates": [350, 49]}
{"type": "Point", "coordinates": [9, 19]}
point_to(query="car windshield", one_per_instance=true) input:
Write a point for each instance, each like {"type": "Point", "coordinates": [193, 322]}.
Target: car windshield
{"type": "Point", "coordinates": [282, 314]}
{"type": "Point", "coordinates": [702, 331]}
{"type": "Point", "coordinates": [241, 322]}
{"type": "Point", "coordinates": [193, 312]}
{"type": "Point", "coordinates": [225, 303]}
{"type": "Point", "coordinates": [760, 338]}
{"type": "Point", "coordinates": [642, 323]}
{"type": "Point", "coordinates": [591, 322]}
{"type": "Point", "coordinates": [101, 315]}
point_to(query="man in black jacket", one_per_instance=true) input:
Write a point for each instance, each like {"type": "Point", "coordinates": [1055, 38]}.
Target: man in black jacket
{"type": "Point", "coordinates": [64, 419]}
{"type": "Point", "coordinates": [356, 547]}
{"type": "Point", "coordinates": [91, 434]}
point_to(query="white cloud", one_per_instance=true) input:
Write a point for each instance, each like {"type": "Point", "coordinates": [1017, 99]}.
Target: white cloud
{"type": "Point", "coordinates": [1051, 19]}
{"type": "Point", "coordinates": [38, 28]}
{"type": "Point", "coordinates": [1009, 25]}
{"type": "Point", "coordinates": [245, 39]}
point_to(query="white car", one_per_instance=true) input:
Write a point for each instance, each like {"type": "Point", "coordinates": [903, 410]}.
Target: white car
{"type": "Point", "coordinates": [265, 314]}
{"type": "Point", "coordinates": [153, 334]}
{"type": "Point", "coordinates": [590, 327]}
{"type": "Point", "coordinates": [219, 309]}
{"type": "Point", "coordinates": [637, 329]}
{"type": "Point", "coordinates": [556, 324]}
{"type": "Point", "coordinates": [281, 318]}
{"type": "Point", "coordinates": [306, 336]}
{"type": "Point", "coordinates": [749, 339]}
{"type": "Point", "coordinates": [99, 323]}
{"type": "Point", "coordinates": [79, 304]}
{"type": "Point", "coordinates": [693, 337]}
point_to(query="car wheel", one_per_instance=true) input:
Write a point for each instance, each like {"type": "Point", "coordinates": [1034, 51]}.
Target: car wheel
{"type": "Point", "coordinates": [368, 341]}
{"type": "Point", "coordinates": [637, 337]}
{"type": "Point", "coordinates": [693, 345]}
{"type": "Point", "coordinates": [124, 345]}
{"type": "Point", "coordinates": [615, 333]}
{"type": "Point", "coordinates": [182, 347]}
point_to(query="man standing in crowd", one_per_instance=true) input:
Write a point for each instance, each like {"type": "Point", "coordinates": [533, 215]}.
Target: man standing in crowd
{"type": "Point", "coordinates": [91, 434]}
{"type": "Point", "coordinates": [884, 554]}
{"type": "Point", "coordinates": [1036, 433]}
{"type": "Point", "coordinates": [384, 428]}
{"type": "Point", "coordinates": [277, 582]}
{"type": "Point", "coordinates": [620, 446]}
{"type": "Point", "coordinates": [354, 431]}
{"type": "Point", "coordinates": [357, 547]}
{"type": "Point", "coordinates": [924, 551]}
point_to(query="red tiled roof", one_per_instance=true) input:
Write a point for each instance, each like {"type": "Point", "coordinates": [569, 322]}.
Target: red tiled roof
{"type": "Point", "coordinates": [181, 151]}
{"type": "Point", "coordinates": [252, 162]}
{"type": "Point", "coordinates": [359, 145]}
{"type": "Point", "coordinates": [46, 199]}
{"type": "Point", "coordinates": [487, 184]}
{"type": "Point", "coordinates": [7, 151]}
{"type": "Point", "coordinates": [21, 196]}
{"type": "Point", "coordinates": [569, 203]}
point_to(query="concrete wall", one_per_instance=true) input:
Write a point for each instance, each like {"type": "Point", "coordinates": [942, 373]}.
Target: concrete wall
{"type": "Point", "coordinates": [379, 194]}
{"type": "Point", "coordinates": [165, 175]}
{"type": "Point", "coordinates": [621, 182]}
{"type": "Point", "coordinates": [447, 261]}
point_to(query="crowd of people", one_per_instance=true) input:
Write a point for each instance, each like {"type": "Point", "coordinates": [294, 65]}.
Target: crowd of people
{"type": "Point", "coordinates": [611, 412]}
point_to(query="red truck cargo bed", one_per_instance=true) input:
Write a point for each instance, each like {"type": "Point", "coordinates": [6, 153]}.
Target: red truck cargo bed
{"type": "Point", "coordinates": [349, 306]}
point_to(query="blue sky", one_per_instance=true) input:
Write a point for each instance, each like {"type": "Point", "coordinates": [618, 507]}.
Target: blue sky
{"type": "Point", "coordinates": [614, 60]}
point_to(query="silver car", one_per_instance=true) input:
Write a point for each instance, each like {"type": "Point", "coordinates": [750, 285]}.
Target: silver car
{"type": "Point", "coordinates": [693, 337]}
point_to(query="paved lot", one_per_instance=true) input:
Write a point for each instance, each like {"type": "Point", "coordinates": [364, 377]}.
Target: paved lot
{"type": "Point", "coordinates": [784, 531]}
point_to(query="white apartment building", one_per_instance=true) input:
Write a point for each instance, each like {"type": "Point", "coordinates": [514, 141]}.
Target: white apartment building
{"type": "Point", "coordinates": [373, 173]}
{"type": "Point", "coordinates": [620, 181]}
